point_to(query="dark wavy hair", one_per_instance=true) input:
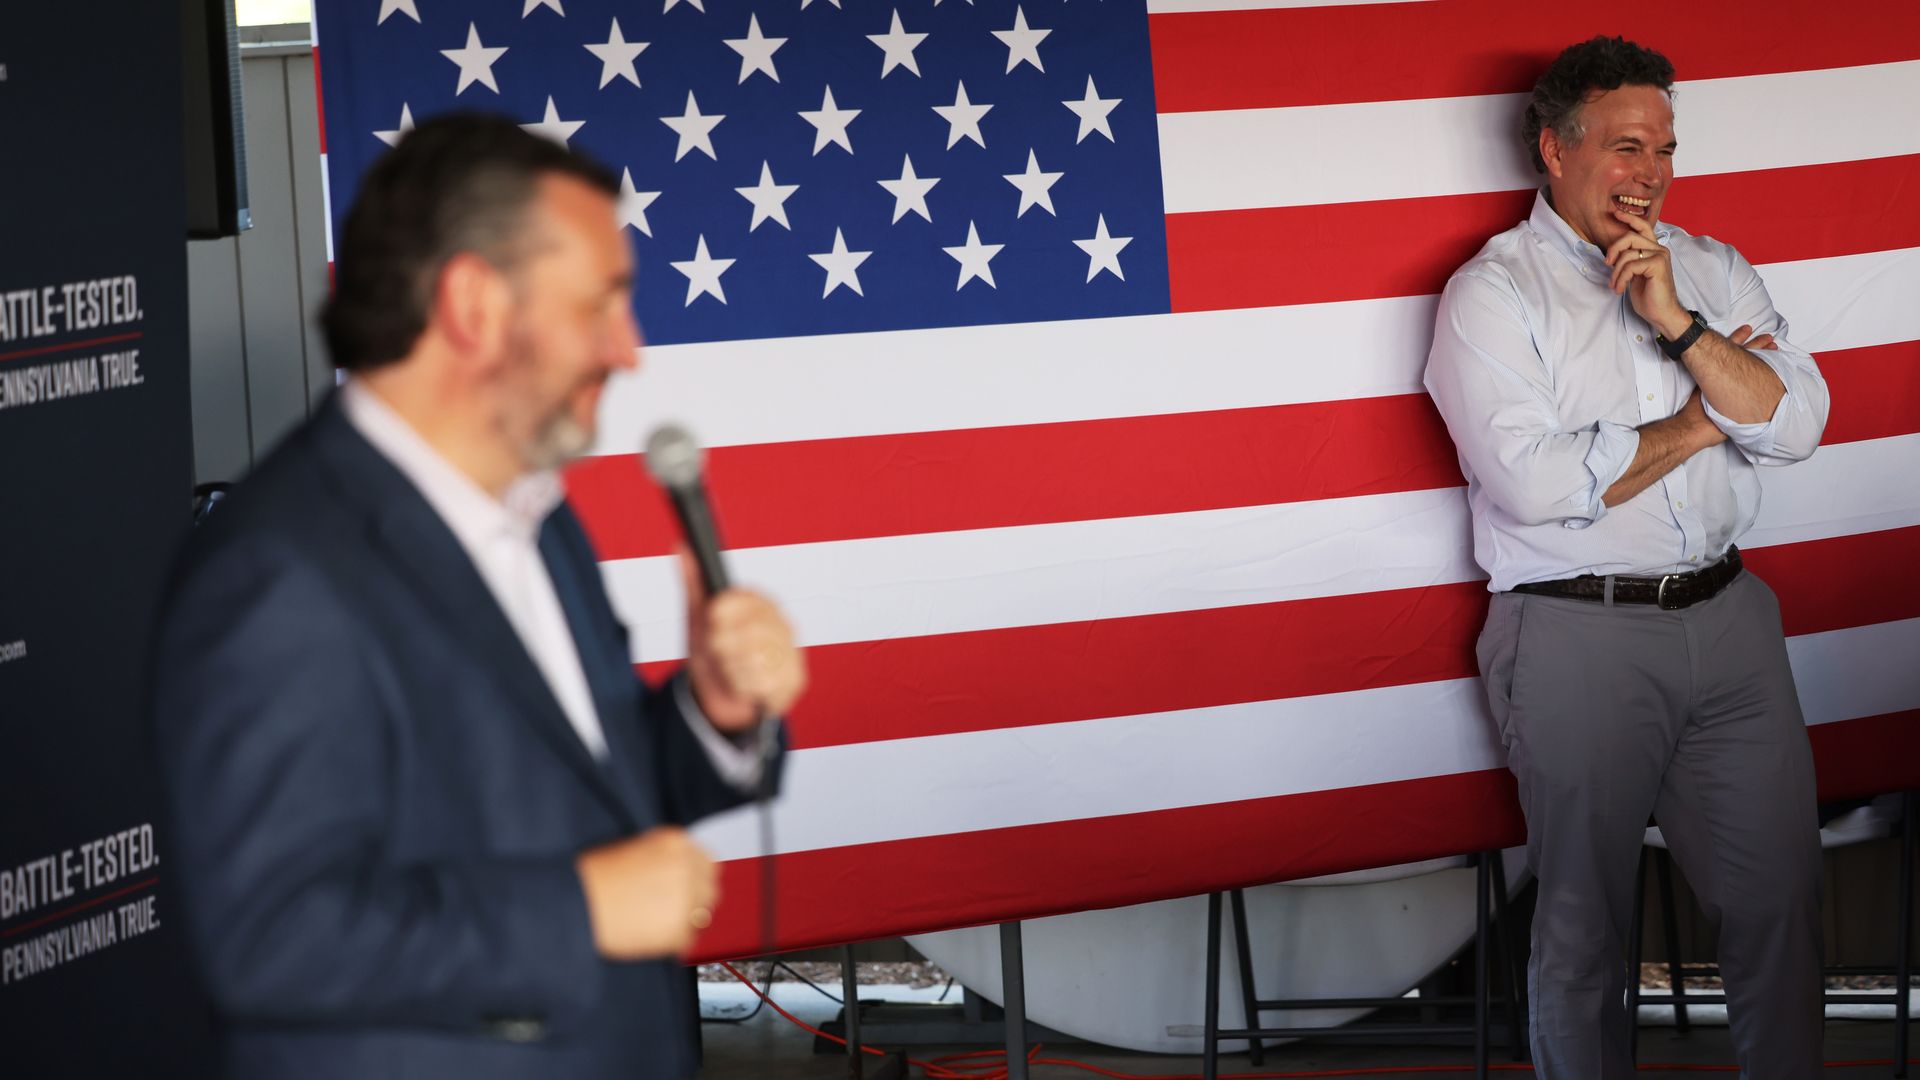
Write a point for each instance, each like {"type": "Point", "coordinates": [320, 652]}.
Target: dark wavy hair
{"type": "Point", "coordinates": [1601, 63]}
{"type": "Point", "coordinates": [457, 183]}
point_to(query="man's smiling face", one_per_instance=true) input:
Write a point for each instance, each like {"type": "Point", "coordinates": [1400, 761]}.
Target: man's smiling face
{"type": "Point", "coordinates": [1623, 161]}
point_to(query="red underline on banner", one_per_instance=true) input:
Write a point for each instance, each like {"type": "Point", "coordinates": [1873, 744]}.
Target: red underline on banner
{"type": "Point", "coordinates": [81, 906]}
{"type": "Point", "coordinates": [23, 353]}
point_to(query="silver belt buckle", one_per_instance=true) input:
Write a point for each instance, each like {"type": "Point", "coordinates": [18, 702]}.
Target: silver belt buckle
{"type": "Point", "coordinates": [1660, 597]}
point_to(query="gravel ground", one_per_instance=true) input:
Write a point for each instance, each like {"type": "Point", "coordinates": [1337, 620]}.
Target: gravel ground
{"type": "Point", "coordinates": [920, 974]}
{"type": "Point", "coordinates": [915, 974]}
{"type": "Point", "coordinates": [1654, 977]}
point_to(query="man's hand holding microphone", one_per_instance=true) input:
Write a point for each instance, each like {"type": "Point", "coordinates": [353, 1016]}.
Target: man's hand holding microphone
{"type": "Point", "coordinates": [648, 895]}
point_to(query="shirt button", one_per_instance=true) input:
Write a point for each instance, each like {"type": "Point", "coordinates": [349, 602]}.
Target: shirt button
{"type": "Point", "coordinates": [1649, 397]}
{"type": "Point", "coordinates": [1639, 337]}
{"type": "Point", "coordinates": [1680, 504]}
{"type": "Point", "coordinates": [1693, 558]}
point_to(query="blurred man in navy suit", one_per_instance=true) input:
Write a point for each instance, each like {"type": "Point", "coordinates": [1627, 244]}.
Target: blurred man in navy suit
{"type": "Point", "coordinates": [427, 821]}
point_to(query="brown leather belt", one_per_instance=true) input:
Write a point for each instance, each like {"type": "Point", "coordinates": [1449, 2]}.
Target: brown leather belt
{"type": "Point", "coordinates": [1670, 591]}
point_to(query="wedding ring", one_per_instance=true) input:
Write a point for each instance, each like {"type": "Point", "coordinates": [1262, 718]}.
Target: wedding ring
{"type": "Point", "coordinates": [701, 918]}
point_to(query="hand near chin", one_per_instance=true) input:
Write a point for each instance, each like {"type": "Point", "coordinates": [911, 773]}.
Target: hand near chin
{"type": "Point", "coordinates": [1643, 269]}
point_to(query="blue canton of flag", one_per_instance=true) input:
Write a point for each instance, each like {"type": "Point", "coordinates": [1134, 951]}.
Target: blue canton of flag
{"type": "Point", "coordinates": [799, 167]}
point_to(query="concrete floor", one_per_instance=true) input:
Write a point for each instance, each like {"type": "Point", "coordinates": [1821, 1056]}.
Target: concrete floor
{"type": "Point", "coordinates": [767, 1046]}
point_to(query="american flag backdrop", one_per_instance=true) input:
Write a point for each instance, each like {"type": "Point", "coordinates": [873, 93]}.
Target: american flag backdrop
{"type": "Point", "coordinates": [1061, 364]}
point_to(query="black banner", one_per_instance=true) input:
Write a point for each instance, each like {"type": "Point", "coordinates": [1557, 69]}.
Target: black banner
{"type": "Point", "coordinates": [95, 494]}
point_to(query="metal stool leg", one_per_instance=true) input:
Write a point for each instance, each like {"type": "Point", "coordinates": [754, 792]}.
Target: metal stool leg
{"type": "Point", "coordinates": [1013, 991]}
{"type": "Point", "coordinates": [1633, 957]}
{"type": "Point", "coordinates": [1670, 925]}
{"type": "Point", "coordinates": [1482, 929]}
{"type": "Point", "coordinates": [1243, 948]}
{"type": "Point", "coordinates": [1510, 955]}
{"type": "Point", "coordinates": [1210, 1052]}
{"type": "Point", "coordinates": [1903, 967]}
{"type": "Point", "coordinates": [850, 1012]}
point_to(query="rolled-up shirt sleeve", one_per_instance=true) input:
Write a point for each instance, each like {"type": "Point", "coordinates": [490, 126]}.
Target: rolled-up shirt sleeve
{"type": "Point", "coordinates": [1793, 431]}
{"type": "Point", "coordinates": [1491, 387]}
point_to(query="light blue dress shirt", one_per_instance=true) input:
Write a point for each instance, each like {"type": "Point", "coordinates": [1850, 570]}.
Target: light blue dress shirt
{"type": "Point", "coordinates": [1543, 375]}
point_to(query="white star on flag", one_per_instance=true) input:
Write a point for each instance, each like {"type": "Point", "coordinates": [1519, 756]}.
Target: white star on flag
{"type": "Point", "coordinates": [835, 3]}
{"type": "Point", "coordinates": [703, 274]}
{"type": "Point", "coordinates": [1022, 42]}
{"type": "Point", "coordinates": [531, 4]}
{"type": "Point", "coordinates": [1103, 251]}
{"type": "Point", "coordinates": [909, 191]}
{"type": "Point", "coordinates": [1034, 186]}
{"type": "Point", "coordinates": [392, 138]}
{"type": "Point", "coordinates": [475, 60]}
{"type": "Point", "coordinates": [899, 46]}
{"type": "Point", "coordinates": [616, 56]}
{"type": "Point", "coordinates": [405, 7]}
{"type": "Point", "coordinates": [973, 257]}
{"type": "Point", "coordinates": [830, 123]}
{"type": "Point", "coordinates": [768, 198]}
{"type": "Point", "coordinates": [842, 266]}
{"type": "Point", "coordinates": [698, 5]}
{"type": "Point", "coordinates": [963, 118]}
{"type": "Point", "coordinates": [553, 128]}
{"type": "Point", "coordinates": [1092, 111]}
{"type": "Point", "coordinates": [634, 203]}
{"type": "Point", "coordinates": [756, 51]}
{"type": "Point", "coordinates": [694, 129]}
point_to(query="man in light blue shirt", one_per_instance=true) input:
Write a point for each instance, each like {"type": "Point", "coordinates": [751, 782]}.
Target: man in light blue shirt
{"type": "Point", "coordinates": [1611, 383]}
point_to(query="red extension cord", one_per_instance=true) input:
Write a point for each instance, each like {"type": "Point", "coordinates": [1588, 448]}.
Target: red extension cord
{"type": "Point", "coordinates": [991, 1064]}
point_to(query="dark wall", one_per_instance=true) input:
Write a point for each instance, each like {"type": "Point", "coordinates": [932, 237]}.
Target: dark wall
{"type": "Point", "coordinates": [95, 493]}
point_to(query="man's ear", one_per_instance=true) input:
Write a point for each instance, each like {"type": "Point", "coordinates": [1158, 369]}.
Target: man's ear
{"type": "Point", "coordinates": [472, 303]}
{"type": "Point", "coordinates": [1550, 149]}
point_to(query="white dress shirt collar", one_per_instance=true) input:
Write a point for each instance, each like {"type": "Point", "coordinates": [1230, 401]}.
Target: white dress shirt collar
{"type": "Point", "coordinates": [469, 510]}
{"type": "Point", "coordinates": [1586, 257]}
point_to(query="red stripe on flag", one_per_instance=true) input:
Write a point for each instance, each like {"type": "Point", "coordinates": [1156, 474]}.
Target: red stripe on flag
{"type": "Point", "coordinates": [839, 489]}
{"type": "Point", "coordinates": [891, 485]}
{"type": "Point", "coordinates": [1869, 756]}
{"type": "Point", "coordinates": [1409, 247]}
{"type": "Point", "coordinates": [964, 879]}
{"type": "Point", "coordinates": [1876, 391]}
{"type": "Point", "coordinates": [990, 679]}
{"type": "Point", "coordinates": [1022, 676]}
{"type": "Point", "coordinates": [1806, 212]}
{"type": "Point", "coordinates": [1843, 581]}
{"type": "Point", "coordinates": [1387, 52]}
{"type": "Point", "coordinates": [1321, 254]}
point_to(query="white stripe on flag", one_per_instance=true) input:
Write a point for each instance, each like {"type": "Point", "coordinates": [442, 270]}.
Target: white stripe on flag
{"type": "Point", "coordinates": [941, 784]}
{"type": "Point", "coordinates": [1238, 159]}
{"type": "Point", "coordinates": [845, 385]}
{"type": "Point", "coordinates": [850, 385]}
{"type": "Point", "coordinates": [975, 780]}
{"type": "Point", "coordinates": [984, 579]}
{"type": "Point", "coordinates": [1844, 674]}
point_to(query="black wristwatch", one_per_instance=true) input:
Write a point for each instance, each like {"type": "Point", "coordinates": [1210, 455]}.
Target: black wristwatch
{"type": "Point", "coordinates": [1678, 347]}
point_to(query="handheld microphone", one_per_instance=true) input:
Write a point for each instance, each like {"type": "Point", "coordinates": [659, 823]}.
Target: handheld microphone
{"type": "Point", "coordinates": [676, 462]}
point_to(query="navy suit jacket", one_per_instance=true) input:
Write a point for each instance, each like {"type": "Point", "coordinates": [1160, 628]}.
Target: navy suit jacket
{"type": "Point", "coordinates": [376, 801]}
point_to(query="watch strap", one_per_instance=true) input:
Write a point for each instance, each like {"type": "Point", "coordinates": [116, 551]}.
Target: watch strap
{"type": "Point", "coordinates": [1678, 347]}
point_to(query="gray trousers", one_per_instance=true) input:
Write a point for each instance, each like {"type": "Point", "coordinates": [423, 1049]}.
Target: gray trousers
{"type": "Point", "coordinates": [1612, 714]}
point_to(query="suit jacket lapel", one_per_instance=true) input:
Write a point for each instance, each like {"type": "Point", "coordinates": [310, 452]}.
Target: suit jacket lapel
{"type": "Point", "coordinates": [609, 671]}
{"type": "Point", "coordinates": [406, 528]}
